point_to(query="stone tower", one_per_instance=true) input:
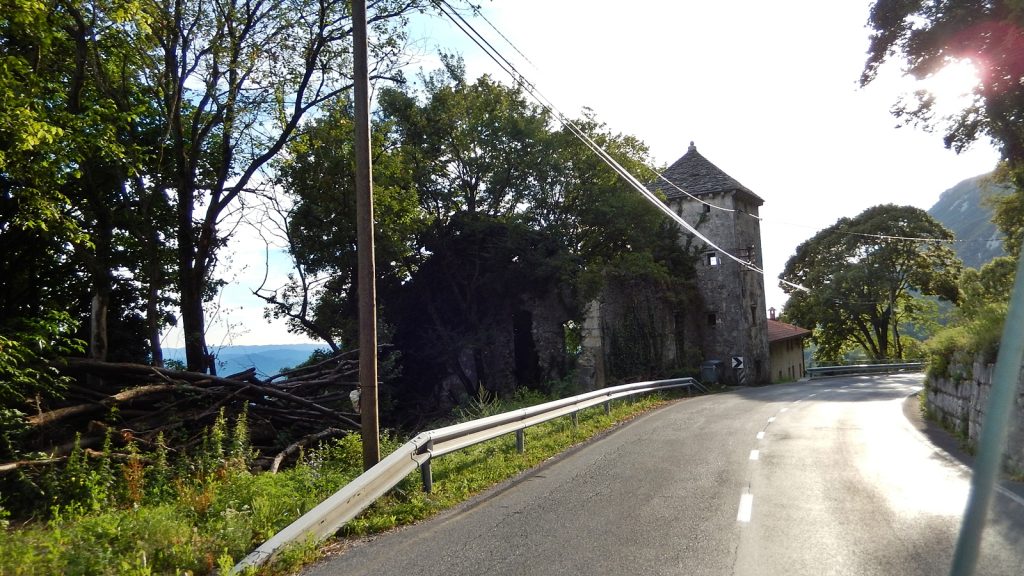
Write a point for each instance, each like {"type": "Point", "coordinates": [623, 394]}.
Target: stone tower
{"type": "Point", "coordinates": [726, 212]}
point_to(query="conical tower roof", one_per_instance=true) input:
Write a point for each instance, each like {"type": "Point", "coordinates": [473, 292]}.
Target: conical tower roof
{"type": "Point", "coordinates": [697, 175]}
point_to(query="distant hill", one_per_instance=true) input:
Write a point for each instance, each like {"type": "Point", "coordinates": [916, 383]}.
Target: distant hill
{"type": "Point", "coordinates": [268, 359]}
{"type": "Point", "coordinates": [963, 210]}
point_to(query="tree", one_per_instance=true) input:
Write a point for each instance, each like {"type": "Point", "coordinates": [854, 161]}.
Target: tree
{"type": "Point", "coordinates": [595, 214]}
{"type": "Point", "coordinates": [235, 80]}
{"type": "Point", "coordinates": [929, 35]}
{"type": "Point", "coordinates": [488, 217]}
{"type": "Point", "coordinates": [865, 277]}
{"type": "Point", "coordinates": [43, 140]}
{"type": "Point", "coordinates": [318, 175]}
{"type": "Point", "coordinates": [472, 148]}
{"type": "Point", "coordinates": [76, 67]}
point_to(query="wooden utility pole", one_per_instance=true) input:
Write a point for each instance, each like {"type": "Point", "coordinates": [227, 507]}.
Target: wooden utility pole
{"type": "Point", "coordinates": [364, 241]}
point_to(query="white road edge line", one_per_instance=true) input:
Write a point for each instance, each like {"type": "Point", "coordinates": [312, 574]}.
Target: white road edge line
{"type": "Point", "coordinates": [783, 410]}
{"type": "Point", "coordinates": [957, 464]}
{"type": "Point", "coordinates": [1010, 495]}
{"type": "Point", "coordinates": [760, 435]}
{"type": "Point", "coordinates": [746, 506]}
{"type": "Point", "coordinates": [755, 454]}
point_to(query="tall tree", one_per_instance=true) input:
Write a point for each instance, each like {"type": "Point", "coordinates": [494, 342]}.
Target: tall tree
{"type": "Point", "coordinates": [318, 175]}
{"type": "Point", "coordinates": [235, 81]}
{"type": "Point", "coordinates": [473, 147]}
{"type": "Point", "coordinates": [864, 276]}
{"type": "Point", "coordinates": [41, 143]}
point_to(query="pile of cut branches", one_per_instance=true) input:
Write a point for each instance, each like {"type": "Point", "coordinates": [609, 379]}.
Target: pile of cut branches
{"type": "Point", "coordinates": [139, 403]}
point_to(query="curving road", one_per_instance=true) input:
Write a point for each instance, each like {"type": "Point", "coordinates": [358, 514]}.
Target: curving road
{"type": "Point", "coordinates": [814, 478]}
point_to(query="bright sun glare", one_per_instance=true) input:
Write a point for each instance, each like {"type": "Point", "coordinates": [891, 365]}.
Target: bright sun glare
{"type": "Point", "coordinates": [952, 85]}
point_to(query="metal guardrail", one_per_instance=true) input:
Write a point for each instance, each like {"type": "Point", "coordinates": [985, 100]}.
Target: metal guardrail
{"type": "Point", "coordinates": [846, 370]}
{"type": "Point", "coordinates": [330, 515]}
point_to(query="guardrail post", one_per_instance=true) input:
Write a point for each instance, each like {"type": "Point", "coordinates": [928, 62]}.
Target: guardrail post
{"type": "Point", "coordinates": [575, 419]}
{"type": "Point", "coordinates": [426, 473]}
{"type": "Point", "coordinates": [607, 407]}
{"type": "Point", "coordinates": [520, 441]}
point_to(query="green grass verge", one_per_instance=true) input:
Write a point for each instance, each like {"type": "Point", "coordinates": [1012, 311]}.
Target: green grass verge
{"type": "Point", "coordinates": [204, 525]}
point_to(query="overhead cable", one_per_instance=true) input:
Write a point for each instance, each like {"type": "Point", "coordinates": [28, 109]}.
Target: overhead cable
{"type": "Point", "coordinates": [532, 90]}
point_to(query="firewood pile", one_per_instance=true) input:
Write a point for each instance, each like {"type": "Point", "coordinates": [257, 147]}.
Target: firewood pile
{"type": "Point", "coordinates": [137, 403]}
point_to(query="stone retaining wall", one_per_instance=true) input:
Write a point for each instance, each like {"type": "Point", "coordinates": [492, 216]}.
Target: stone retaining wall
{"type": "Point", "coordinates": [958, 399]}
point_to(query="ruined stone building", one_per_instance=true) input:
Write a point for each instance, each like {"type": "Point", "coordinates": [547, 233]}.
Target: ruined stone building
{"type": "Point", "coordinates": [734, 328]}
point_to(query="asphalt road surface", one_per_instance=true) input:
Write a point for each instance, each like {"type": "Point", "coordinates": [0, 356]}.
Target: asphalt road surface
{"type": "Point", "coordinates": [813, 478]}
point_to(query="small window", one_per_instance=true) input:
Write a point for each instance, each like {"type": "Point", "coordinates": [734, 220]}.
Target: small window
{"type": "Point", "coordinates": [711, 258]}
{"type": "Point", "coordinates": [712, 319]}
{"type": "Point", "coordinates": [753, 315]}
{"type": "Point", "coordinates": [707, 208]}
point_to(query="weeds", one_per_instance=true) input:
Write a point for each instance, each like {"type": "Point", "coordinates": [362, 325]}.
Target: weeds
{"type": "Point", "coordinates": [163, 513]}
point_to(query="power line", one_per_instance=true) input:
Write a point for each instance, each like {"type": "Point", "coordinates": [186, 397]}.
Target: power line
{"type": "Point", "coordinates": [479, 12]}
{"type": "Point", "coordinates": [532, 90]}
{"type": "Point", "coordinates": [520, 79]}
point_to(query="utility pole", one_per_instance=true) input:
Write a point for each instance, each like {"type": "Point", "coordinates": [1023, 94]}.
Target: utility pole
{"type": "Point", "coordinates": [364, 242]}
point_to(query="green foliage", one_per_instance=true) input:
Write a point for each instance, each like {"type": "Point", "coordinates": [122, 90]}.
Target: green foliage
{"type": "Point", "coordinates": [26, 350]}
{"type": "Point", "coordinates": [483, 404]}
{"type": "Point", "coordinates": [319, 175]}
{"type": "Point", "coordinates": [207, 523]}
{"type": "Point", "coordinates": [978, 322]}
{"type": "Point", "coordinates": [1008, 213]}
{"type": "Point", "coordinates": [484, 210]}
{"type": "Point", "coordinates": [30, 348]}
{"type": "Point", "coordinates": [140, 516]}
{"type": "Point", "coordinates": [943, 346]}
{"type": "Point", "coordinates": [928, 36]}
{"type": "Point", "coordinates": [866, 283]}
{"type": "Point", "coordinates": [493, 269]}
{"type": "Point", "coordinates": [117, 162]}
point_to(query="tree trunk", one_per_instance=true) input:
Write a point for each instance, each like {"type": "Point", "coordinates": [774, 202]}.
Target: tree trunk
{"type": "Point", "coordinates": [98, 321]}
{"type": "Point", "coordinates": [191, 282]}
{"type": "Point", "coordinates": [153, 305]}
{"type": "Point", "coordinates": [192, 320]}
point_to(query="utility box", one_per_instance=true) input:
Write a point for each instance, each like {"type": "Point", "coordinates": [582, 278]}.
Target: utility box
{"type": "Point", "coordinates": [711, 371]}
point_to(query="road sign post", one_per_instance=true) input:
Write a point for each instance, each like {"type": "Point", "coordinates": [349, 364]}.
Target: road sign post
{"type": "Point", "coordinates": [737, 367]}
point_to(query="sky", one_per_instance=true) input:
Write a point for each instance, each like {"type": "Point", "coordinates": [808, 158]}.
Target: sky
{"type": "Point", "coordinates": [767, 91]}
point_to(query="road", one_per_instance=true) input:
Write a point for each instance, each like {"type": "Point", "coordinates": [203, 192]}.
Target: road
{"type": "Point", "coordinates": [827, 477]}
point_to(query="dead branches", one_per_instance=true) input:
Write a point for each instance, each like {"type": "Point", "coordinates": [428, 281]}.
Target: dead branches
{"type": "Point", "coordinates": [139, 402]}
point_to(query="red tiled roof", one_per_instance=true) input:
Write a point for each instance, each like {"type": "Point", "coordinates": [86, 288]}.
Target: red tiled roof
{"type": "Point", "coordinates": [782, 331]}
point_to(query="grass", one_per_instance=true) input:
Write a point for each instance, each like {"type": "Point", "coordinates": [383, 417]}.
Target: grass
{"type": "Point", "coordinates": [460, 475]}
{"type": "Point", "coordinates": [136, 520]}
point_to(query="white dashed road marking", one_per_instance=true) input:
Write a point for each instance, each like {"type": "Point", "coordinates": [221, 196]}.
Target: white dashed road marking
{"type": "Point", "coordinates": [760, 435]}
{"type": "Point", "coordinates": [746, 507]}
{"type": "Point", "coordinates": [755, 454]}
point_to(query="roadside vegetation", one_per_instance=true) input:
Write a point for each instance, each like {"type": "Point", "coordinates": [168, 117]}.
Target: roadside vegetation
{"type": "Point", "coordinates": [923, 41]}
{"type": "Point", "coordinates": [200, 513]}
{"type": "Point", "coordinates": [868, 290]}
{"type": "Point", "coordinates": [978, 319]}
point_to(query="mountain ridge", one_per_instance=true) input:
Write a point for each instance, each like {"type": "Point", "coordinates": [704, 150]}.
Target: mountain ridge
{"type": "Point", "coordinates": [268, 359]}
{"type": "Point", "coordinates": [966, 211]}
